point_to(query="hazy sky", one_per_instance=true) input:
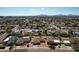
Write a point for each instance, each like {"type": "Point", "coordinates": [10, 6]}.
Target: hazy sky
{"type": "Point", "coordinates": [26, 11]}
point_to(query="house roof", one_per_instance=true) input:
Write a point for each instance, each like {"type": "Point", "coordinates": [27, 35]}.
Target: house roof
{"type": "Point", "coordinates": [65, 38]}
{"type": "Point", "coordinates": [26, 37]}
{"type": "Point", "coordinates": [35, 40]}
{"type": "Point", "coordinates": [66, 41]}
{"type": "Point", "coordinates": [7, 39]}
{"type": "Point", "coordinates": [11, 40]}
{"type": "Point", "coordinates": [19, 41]}
{"type": "Point", "coordinates": [56, 41]}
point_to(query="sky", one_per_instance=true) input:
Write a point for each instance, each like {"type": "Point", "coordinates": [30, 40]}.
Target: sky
{"type": "Point", "coordinates": [29, 11]}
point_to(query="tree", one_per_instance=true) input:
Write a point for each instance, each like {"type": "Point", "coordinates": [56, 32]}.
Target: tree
{"type": "Point", "coordinates": [70, 32]}
{"type": "Point", "coordinates": [51, 44]}
{"type": "Point", "coordinates": [55, 34]}
{"type": "Point", "coordinates": [2, 46]}
{"type": "Point", "coordinates": [9, 30]}
{"type": "Point", "coordinates": [74, 43]}
{"type": "Point", "coordinates": [63, 34]}
{"type": "Point", "coordinates": [45, 32]}
{"type": "Point", "coordinates": [39, 33]}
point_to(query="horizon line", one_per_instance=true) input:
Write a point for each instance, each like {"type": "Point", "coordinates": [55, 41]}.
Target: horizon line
{"type": "Point", "coordinates": [45, 15]}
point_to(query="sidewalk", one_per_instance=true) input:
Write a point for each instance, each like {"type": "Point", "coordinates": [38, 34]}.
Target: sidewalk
{"type": "Point", "coordinates": [6, 49]}
{"type": "Point", "coordinates": [35, 48]}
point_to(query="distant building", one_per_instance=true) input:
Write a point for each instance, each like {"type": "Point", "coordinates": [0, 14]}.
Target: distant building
{"type": "Point", "coordinates": [26, 31]}
{"type": "Point", "coordinates": [16, 29]}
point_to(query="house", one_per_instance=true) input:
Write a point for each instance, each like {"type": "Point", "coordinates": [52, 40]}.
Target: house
{"type": "Point", "coordinates": [42, 39]}
{"type": "Point", "coordinates": [64, 30]}
{"type": "Point", "coordinates": [26, 31]}
{"type": "Point", "coordinates": [36, 30]}
{"type": "Point", "coordinates": [35, 40]}
{"type": "Point", "coordinates": [26, 39]}
{"type": "Point", "coordinates": [52, 26]}
{"type": "Point", "coordinates": [49, 38]}
{"type": "Point", "coordinates": [76, 33]}
{"type": "Point", "coordinates": [10, 40]}
{"type": "Point", "coordinates": [16, 29]}
{"type": "Point", "coordinates": [19, 42]}
{"type": "Point", "coordinates": [66, 40]}
{"type": "Point", "coordinates": [56, 40]}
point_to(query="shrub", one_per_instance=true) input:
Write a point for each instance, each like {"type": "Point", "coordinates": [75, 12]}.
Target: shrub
{"type": "Point", "coordinates": [2, 46]}
{"type": "Point", "coordinates": [64, 34]}
{"type": "Point", "coordinates": [50, 42]}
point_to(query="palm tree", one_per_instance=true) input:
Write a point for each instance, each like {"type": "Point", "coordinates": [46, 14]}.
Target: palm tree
{"type": "Point", "coordinates": [59, 38]}
{"type": "Point", "coordinates": [39, 33]}
{"type": "Point", "coordinates": [45, 33]}
{"type": "Point", "coordinates": [51, 44]}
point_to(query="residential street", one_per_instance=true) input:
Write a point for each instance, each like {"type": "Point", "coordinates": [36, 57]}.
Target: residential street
{"type": "Point", "coordinates": [38, 50]}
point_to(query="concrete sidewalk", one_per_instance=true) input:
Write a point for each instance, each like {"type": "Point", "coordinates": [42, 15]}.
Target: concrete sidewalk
{"type": "Point", "coordinates": [37, 49]}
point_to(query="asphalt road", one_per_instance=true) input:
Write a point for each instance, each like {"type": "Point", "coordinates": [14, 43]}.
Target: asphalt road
{"type": "Point", "coordinates": [39, 50]}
